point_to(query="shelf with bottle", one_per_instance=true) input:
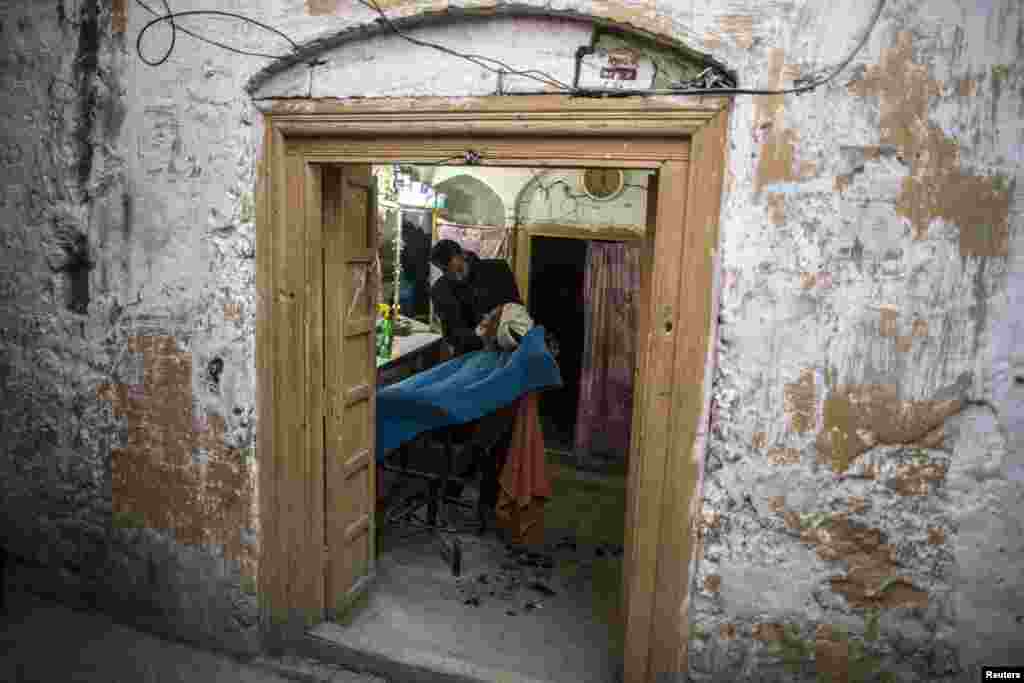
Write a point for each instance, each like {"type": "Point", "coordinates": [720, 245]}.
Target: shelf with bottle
{"type": "Point", "coordinates": [387, 315]}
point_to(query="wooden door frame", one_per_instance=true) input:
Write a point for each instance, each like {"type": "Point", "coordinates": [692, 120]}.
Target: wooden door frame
{"type": "Point", "coordinates": [681, 137]}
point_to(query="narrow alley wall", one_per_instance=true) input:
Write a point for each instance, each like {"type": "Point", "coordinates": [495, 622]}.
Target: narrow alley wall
{"type": "Point", "coordinates": [862, 489]}
{"type": "Point", "coordinates": [127, 326]}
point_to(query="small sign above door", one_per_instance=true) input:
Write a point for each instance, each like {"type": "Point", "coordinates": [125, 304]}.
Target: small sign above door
{"type": "Point", "coordinates": [619, 68]}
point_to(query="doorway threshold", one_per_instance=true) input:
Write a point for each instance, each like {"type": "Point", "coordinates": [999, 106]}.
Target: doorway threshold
{"type": "Point", "coordinates": [515, 615]}
{"type": "Point", "coordinates": [399, 662]}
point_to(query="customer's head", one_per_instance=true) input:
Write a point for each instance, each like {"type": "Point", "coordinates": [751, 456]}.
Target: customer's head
{"type": "Point", "coordinates": [449, 257]}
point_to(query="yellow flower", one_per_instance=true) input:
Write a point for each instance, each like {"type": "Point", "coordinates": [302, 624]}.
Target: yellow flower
{"type": "Point", "coordinates": [383, 309]}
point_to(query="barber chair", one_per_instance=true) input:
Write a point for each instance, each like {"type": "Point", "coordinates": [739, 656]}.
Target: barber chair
{"type": "Point", "coordinates": [442, 462]}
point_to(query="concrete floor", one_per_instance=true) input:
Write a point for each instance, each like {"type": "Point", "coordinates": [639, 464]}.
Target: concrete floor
{"type": "Point", "coordinates": [512, 616]}
{"type": "Point", "coordinates": [495, 622]}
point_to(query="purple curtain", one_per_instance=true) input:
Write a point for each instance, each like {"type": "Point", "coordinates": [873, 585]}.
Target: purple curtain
{"type": "Point", "coordinates": [611, 294]}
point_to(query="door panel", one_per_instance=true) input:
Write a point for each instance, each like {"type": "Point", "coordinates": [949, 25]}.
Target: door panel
{"type": "Point", "coordinates": [314, 364]}
{"type": "Point", "coordinates": [349, 255]}
{"type": "Point", "coordinates": [296, 584]}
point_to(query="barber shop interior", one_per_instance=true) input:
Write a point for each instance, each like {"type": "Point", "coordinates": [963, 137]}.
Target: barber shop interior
{"type": "Point", "coordinates": [509, 304]}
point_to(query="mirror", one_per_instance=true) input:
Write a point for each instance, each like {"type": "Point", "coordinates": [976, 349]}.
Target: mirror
{"type": "Point", "coordinates": [413, 271]}
{"type": "Point", "coordinates": [387, 231]}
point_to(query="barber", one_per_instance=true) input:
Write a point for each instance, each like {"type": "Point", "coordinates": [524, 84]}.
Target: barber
{"type": "Point", "coordinates": [469, 291]}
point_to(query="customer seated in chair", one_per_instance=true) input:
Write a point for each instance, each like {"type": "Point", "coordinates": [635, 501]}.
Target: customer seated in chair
{"type": "Point", "coordinates": [468, 298]}
{"type": "Point", "coordinates": [470, 291]}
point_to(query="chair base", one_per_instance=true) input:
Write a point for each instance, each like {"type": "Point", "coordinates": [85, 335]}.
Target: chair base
{"type": "Point", "coordinates": [443, 491]}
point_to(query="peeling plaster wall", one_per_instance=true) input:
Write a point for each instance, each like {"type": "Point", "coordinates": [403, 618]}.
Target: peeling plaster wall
{"type": "Point", "coordinates": [862, 483]}
{"type": "Point", "coordinates": [862, 494]}
{"type": "Point", "coordinates": [127, 324]}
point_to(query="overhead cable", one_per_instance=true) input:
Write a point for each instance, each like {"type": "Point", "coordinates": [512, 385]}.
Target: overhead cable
{"type": "Point", "coordinates": [532, 74]}
{"type": "Point", "coordinates": [711, 81]}
{"type": "Point", "coordinates": [685, 89]}
{"type": "Point", "coordinates": [169, 17]}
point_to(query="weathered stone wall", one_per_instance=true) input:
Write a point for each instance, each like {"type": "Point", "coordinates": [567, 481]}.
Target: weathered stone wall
{"type": "Point", "coordinates": [127, 323]}
{"type": "Point", "coordinates": [862, 489]}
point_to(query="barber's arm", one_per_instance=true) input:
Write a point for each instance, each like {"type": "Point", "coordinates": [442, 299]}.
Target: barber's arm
{"type": "Point", "coordinates": [456, 332]}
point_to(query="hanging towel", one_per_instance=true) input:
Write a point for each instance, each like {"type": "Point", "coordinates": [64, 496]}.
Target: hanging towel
{"type": "Point", "coordinates": [524, 486]}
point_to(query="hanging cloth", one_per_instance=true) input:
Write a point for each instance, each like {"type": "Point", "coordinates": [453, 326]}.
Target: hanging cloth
{"type": "Point", "coordinates": [486, 241]}
{"type": "Point", "coordinates": [611, 313]}
{"type": "Point", "coordinates": [524, 487]}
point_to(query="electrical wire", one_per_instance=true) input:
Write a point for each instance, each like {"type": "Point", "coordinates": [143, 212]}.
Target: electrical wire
{"type": "Point", "coordinates": [540, 187]}
{"type": "Point", "coordinates": [480, 60]}
{"type": "Point", "coordinates": [681, 90]}
{"type": "Point", "coordinates": [169, 17]}
{"type": "Point", "coordinates": [532, 74]}
{"type": "Point", "coordinates": [469, 157]}
{"type": "Point", "coordinates": [750, 91]}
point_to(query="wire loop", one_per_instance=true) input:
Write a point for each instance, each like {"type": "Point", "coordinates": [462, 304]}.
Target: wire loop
{"type": "Point", "coordinates": [169, 17]}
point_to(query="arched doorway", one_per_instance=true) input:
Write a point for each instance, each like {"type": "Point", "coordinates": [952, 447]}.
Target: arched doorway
{"type": "Point", "coordinates": [472, 201]}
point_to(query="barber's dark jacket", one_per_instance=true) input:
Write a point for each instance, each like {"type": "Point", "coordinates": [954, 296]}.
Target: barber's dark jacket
{"type": "Point", "coordinates": [462, 305]}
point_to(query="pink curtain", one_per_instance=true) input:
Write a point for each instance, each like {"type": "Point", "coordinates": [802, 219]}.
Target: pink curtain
{"type": "Point", "coordinates": [484, 240]}
{"type": "Point", "coordinates": [611, 294]}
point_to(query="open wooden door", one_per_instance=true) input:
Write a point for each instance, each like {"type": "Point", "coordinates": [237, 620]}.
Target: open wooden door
{"type": "Point", "coordinates": [349, 242]}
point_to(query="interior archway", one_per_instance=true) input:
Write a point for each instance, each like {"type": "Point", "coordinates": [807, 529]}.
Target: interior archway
{"type": "Point", "coordinates": [472, 201]}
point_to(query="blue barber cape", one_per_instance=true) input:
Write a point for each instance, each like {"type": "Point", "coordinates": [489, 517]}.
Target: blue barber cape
{"type": "Point", "coordinates": [462, 390]}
